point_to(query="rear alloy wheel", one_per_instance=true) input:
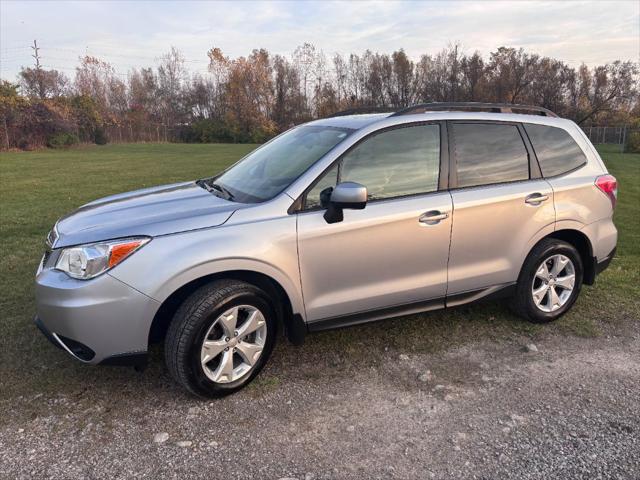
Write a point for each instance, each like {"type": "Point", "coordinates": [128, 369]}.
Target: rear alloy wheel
{"type": "Point", "coordinates": [220, 338]}
{"type": "Point", "coordinates": [549, 282]}
{"type": "Point", "coordinates": [553, 283]}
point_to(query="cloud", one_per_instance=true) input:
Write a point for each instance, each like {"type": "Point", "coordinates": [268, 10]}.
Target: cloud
{"type": "Point", "coordinates": [129, 34]}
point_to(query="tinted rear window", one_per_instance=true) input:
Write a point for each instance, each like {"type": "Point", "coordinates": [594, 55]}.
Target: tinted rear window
{"type": "Point", "coordinates": [489, 153]}
{"type": "Point", "coordinates": [556, 150]}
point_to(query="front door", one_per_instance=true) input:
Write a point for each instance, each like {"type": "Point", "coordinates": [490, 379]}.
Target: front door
{"type": "Point", "coordinates": [394, 252]}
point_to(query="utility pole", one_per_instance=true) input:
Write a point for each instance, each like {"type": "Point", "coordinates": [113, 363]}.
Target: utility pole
{"type": "Point", "coordinates": [36, 56]}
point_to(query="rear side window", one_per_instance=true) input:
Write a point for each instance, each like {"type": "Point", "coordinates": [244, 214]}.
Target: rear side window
{"type": "Point", "coordinates": [488, 153]}
{"type": "Point", "coordinates": [556, 150]}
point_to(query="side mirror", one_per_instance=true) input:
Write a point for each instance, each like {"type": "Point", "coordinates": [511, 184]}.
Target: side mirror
{"type": "Point", "coordinates": [349, 195]}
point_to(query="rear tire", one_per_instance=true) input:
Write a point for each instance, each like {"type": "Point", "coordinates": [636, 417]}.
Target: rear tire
{"type": "Point", "coordinates": [549, 282]}
{"type": "Point", "coordinates": [220, 338]}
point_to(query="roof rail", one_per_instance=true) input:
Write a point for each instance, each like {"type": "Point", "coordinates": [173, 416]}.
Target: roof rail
{"type": "Point", "coordinates": [362, 110]}
{"type": "Point", "coordinates": [464, 106]}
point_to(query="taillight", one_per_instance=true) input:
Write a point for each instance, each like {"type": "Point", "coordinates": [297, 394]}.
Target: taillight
{"type": "Point", "coordinates": [609, 186]}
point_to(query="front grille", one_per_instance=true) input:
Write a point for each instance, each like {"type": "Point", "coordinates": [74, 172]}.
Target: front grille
{"type": "Point", "coordinates": [52, 237]}
{"type": "Point", "coordinates": [45, 258]}
{"type": "Point", "coordinates": [49, 242]}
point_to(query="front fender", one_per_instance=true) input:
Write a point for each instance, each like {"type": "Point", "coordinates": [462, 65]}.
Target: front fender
{"type": "Point", "coordinates": [167, 263]}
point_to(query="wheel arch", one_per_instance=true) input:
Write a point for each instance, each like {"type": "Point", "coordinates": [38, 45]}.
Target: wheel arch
{"type": "Point", "coordinates": [582, 244]}
{"type": "Point", "coordinates": [292, 323]}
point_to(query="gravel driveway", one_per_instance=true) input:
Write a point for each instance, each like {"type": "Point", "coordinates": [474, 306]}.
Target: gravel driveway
{"type": "Point", "coordinates": [565, 408]}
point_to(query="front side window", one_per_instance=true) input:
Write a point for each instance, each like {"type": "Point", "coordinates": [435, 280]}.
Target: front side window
{"type": "Point", "coordinates": [488, 153]}
{"type": "Point", "coordinates": [556, 150]}
{"type": "Point", "coordinates": [270, 169]}
{"type": "Point", "coordinates": [394, 163]}
{"type": "Point", "coordinates": [328, 180]}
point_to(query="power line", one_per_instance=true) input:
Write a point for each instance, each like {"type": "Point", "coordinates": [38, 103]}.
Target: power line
{"type": "Point", "coordinates": [91, 52]}
{"type": "Point", "coordinates": [15, 57]}
{"type": "Point", "coordinates": [116, 73]}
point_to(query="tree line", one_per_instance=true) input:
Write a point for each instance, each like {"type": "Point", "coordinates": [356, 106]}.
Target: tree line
{"type": "Point", "coordinates": [252, 98]}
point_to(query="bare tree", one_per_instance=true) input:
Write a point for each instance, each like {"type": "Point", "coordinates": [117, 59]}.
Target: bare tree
{"type": "Point", "coordinates": [473, 77]}
{"type": "Point", "coordinates": [611, 85]}
{"type": "Point", "coordinates": [254, 97]}
{"type": "Point", "coordinates": [38, 83]}
{"type": "Point", "coordinates": [511, 72]}
{"type": "Point", "coordinates": [171, 77]}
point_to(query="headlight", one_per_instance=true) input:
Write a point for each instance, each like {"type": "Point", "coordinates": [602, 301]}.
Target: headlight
{"type": "Point", "coordinates": [88, 261]}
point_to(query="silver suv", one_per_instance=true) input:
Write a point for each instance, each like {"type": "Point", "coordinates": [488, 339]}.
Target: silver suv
{"type": "Point", "coordinates": [333, 223]}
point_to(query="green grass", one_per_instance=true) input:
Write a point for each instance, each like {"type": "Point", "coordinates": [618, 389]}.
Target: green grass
{"type": "Point", "coordinates": [36, 188]}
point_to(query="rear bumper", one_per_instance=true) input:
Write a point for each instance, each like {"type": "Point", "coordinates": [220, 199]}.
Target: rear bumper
{"type": "Point", "coordinates": [603, 237]}
{"type": "Point", "coordinates": [602, 265]}
{"type": "Point", "coordinates": [95, 321]}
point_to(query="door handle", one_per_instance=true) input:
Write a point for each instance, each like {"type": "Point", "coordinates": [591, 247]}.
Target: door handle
{"type": "Point", "coordinates": [536, 198]}
{"type": "Point", "coordinates": [432, 217]}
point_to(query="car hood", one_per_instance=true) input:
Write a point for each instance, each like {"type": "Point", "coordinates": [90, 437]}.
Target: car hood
{"type": "Point", "coordinates": [150, 211]}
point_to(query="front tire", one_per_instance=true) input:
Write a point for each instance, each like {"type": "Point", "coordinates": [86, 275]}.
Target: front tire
{"type": "Point", "coordinates": [220, 338]}
{"type": "Point", "coordinates": [549, 282]}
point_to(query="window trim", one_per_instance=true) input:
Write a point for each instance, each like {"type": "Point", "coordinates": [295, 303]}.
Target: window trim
{"type": "Point", "coordinates": [298, 206]}
{"type": "Point", "coordinates": [574, 169]}
{"type": "Point", "coordinates": [534, 168]}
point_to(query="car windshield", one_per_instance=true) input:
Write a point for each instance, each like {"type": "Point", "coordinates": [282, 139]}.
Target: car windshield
{"type": "Point", "coordinates": [270, 169]}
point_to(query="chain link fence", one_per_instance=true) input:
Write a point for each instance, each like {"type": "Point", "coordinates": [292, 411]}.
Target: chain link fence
{"type": "Point", "coordinates": [610, 134]}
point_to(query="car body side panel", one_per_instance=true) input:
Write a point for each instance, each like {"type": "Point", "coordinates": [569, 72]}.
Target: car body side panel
{"type": "Point", "coordinates": [375, 258]}
{"type": "Point", "coordinates": [493, 232]}
{"type": "Point", "coordinates": [577, 198]}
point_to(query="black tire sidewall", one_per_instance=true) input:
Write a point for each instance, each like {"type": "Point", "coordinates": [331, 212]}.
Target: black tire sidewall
{"type": "Point", "coordinates": [526, 280]}
{"type": "Point", "coordinates": [198, 378]}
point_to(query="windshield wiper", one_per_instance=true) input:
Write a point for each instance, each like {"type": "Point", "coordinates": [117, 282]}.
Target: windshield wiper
{"type": "Point", "coordinates": [203, 184]}
{"type": "Point", "coordinates": [223, 190]}
{"type": "Point", "coordinates": [215, 188]}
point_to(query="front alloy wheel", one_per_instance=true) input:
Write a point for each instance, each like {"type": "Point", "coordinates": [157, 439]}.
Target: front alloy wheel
{"type": "Point", "coordinates": [220, 338]}
{"type": "Point", "coordinates": [233, 344]}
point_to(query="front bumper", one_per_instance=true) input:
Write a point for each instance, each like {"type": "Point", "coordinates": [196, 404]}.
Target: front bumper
{"type": "Point", "coordinates": [102, 320]}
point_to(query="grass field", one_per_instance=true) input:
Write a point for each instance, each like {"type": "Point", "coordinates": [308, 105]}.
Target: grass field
{"type": "Point", "coordinates": [36, 188]}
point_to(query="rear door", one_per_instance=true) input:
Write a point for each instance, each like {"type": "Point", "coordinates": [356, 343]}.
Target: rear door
{"type": "Point", "coordinates": [501, 204]}
{"type": "Point", "coordinates": [394, 252]}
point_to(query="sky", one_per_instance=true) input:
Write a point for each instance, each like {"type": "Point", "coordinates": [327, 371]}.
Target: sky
{"type": "Point", "coordinates": [134, 34]}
